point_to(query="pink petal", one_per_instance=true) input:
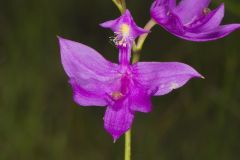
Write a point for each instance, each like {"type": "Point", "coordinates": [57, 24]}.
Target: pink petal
{"type": "Point", "coordinates": [110, 24]}
{"type": "Point", "coordinates": [162, 77]}
{"type": "Point", "coordinates": [213, 34]}
{"type": "Point", "coordinates": [117, 122]}
{"type": "Point", "coordinates": [170, 3]}
{"type": "Point", "coordinates": [126, 18]}
{"type": "Point", "coordinates": [140, 100]}
{"type": "Point", "coordinates": [187, 10]}
{"type": "Point", "coordinates": [207, 22]}
{"type": "Point", "coordinates": [90, 74]}
{"type": "Point", "coordinates": [167, 19]}
{"type": "Point", "coordinates": [214, 19]}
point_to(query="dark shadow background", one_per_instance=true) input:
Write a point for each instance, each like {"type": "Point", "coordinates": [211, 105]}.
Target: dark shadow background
{"type": "Point", "coordinates": [39, 120]}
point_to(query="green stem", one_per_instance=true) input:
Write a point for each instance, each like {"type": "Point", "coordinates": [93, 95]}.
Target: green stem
{"type": "Point", "coordinates": [121, 5]}
{"type": "Point", "coordinates": [143, 37]}
{"type": "Point", "coordinates": [138, 47]}
{"type": "Point", "coordinates": [128, 145]}
{"type": "Point", "coordinates": [124, 5]}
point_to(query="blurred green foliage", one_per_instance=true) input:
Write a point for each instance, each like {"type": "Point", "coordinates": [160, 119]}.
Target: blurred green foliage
{"type": "Point", "coordinates": [39, 120]}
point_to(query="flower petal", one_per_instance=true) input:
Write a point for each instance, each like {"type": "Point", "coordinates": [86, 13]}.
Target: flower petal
{"type": "Point", "coordinates": [117, 122]}
{"type": "Point", "coordinates": [168, 20]}
{"type": "Point", "coordinates": [170, 3]}
{"type": "Point", "coordinates": [162, 77]}
{"type": "Point", "coordinates": [206, 22]}
{"type": "Point", "coordinates": [90, 74]}
{"type": "Point", "coordinates": [140, 100]}
{"type": "Point", "coordinates": [87, 96]}
{"type": "Point", "coordinates": [126, 18]}
{"type": "Point", "coordinates": [187, 10]}
{"type": "Point", "coordinates": [213, 19]}
{"type": "Point", "coordinates": [110, 24]}
{"type": "Point", "coordinates": [212, 34]}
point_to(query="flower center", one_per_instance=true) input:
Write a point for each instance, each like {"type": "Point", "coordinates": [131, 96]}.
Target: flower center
{"type": "Point", "coordinates": [117, 95]}
{"type": "Point", "coordinates": [122, 37]}
{"type": "Point", "coordinates": [125, 30]}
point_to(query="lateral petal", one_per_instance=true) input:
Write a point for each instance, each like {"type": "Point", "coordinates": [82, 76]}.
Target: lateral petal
{"type": "Point", "coordinates": [90, 74]}
{"type": "Point", "coordinates": [162, 77]}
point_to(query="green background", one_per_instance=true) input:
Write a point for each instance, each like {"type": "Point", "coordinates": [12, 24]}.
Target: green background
{"type": "Point", "coordinates": [39, 120]}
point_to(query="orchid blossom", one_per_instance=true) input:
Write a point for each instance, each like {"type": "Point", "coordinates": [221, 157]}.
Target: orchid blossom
{"type": "Point", "coordinates": [122, 88]}
{"type": "Point", "coordinates": [191, 19]}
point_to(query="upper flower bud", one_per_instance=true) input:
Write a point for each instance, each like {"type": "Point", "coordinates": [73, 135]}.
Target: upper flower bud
{"type": "Point", "coordinates": [125, 30]}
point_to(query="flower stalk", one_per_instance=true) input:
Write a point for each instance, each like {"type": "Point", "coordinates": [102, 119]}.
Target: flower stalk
{"type": "Point", "coordinates": [121, 5]}
{"type": "Point", "coordinates": [128, 145]}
